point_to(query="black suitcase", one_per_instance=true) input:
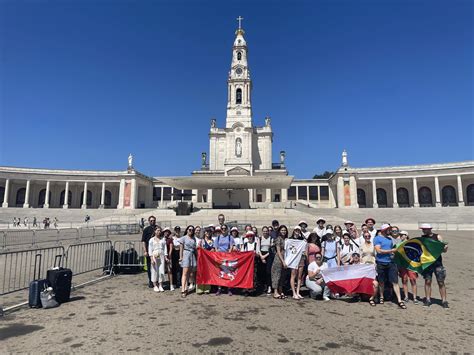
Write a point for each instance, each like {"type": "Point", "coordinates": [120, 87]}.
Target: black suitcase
{"type": "Point", "coordinates": [60, 280]}
{"type": "Point", "coordinates": [37, 285]}
{"type": "Point", "coordinates": [129, 262]}
{"type": "Point", "coordinates": [111, 259]}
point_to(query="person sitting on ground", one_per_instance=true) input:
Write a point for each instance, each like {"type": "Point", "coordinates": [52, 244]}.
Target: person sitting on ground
{"type": "Point", "coordinates": [158, 252]}
{"type": "Point", "coordinates": [437, 268]}
{"type": "Point", "coordinates": [355, 260]}
{"type": "Point", "coordinates": [314, 279]}
{"type": "Point", "coordinates": [387, 271]}
{"type": "Point", "coordinates": [345, 250]}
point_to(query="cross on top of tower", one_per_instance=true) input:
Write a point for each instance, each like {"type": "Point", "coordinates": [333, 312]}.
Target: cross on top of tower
{"type": "Point", "coordinates": [240, 18]}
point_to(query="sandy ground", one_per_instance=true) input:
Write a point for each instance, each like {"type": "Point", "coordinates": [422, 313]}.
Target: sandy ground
{"type": "Point", "coordinates": [122, 314]}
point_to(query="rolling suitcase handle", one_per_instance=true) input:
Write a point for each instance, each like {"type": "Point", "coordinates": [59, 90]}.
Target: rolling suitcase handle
{"type": "Point", "coordinates": [56, 263]}
{"type": "Point", "coordinates": [37, 276]}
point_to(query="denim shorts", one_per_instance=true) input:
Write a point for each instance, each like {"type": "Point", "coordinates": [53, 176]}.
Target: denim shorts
{"type": "Point", "coordinates": [438, 269]}
{"type": "Point", "coordinates": [387, 273]}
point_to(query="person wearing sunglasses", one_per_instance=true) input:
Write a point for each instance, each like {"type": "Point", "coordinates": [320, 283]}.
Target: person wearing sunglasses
{"type": "Point", "coordinates": [187, 259]}
{"type": "Point", "coordinates": [314, 279]}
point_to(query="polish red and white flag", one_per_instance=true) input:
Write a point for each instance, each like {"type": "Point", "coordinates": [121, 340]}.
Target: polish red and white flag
{"type": "Point", "coordinates": [350, 278]}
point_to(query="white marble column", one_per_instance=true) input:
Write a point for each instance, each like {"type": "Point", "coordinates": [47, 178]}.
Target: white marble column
{"type": "Point", "coordinates": [394, 193]}
{"type": "Point", "coordinates": [284, 195]}
{"type": "Point", "coordinates": [7, 191]}
{"type": "Point", "coordinates": [194, 198]}
{"type": "Point", "coordinates": [209, 197]}
{"type": "Point", "coordinates": [66, 196]}
{"type": "Point", "coordinates": [121, 194]}
{"type": "Point", "coordinates": [374, 194]}
{"type": "Point", "coordinates": [161, 199]}
{"type": "Point", "coordinates": [27, 195]}
{"type": "Point", "coordinates": [353, 191]}
{"type": "Point", "coordinates": [437, 194]}
{"type": "Point", "coordinates": [133, 194]}
{"type": "Point", "coordinates": [251, 196]}
{"type": "Point", "coordinates": [416, 203]}
{"type": "Point", "coordinates": [340, 192]}
{"type": "Point", "coordinates": [297, 193]}
{"type": "Point", "coordinates": [84, 196]}
{"type": "Point", "coordinates": [102, 196]}
{"type": "Point", "coordinates": [460, 192]}
{"type": "Point", "coordinates": [268, 195]}
{"type": "Point", "coordinates": [46, 198]}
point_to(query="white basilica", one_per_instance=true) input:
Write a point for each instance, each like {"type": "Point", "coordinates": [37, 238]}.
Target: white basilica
{"type": "Point", "coordinates": [239, 172]}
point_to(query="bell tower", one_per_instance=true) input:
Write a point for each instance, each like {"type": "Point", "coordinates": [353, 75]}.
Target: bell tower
{"type": "Point", "coordinates": [239, 85]}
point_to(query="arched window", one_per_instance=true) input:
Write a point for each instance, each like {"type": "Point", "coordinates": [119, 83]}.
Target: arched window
{"type": "Point", "coordinates": [424, 197]}
{"type": "Point", "coordinates": [42, 198]}
{"type": "Point", "coordinates": [108, 198]}
{"type": "Point", "coordinates": [403, 198]}
{"type": "Point", "coordinates": [238, 96]}
{"type": "Point", "coordinates": [88, 198]}
{"type": "Point", "coordinates": [20, 197]}
{"type": "Point", "coordinates": [381, 197]}
{"type": "Point", "coordinates": [470, 195]}
{"type": "Point", "coordinates": [2, 193]}
{"type": "Point", "coordinates": [361, 198]}
{"type": "Point", "coordinates": [69, 198]}
{"type": "Point", "coordinates": [448, 194]}
{"type": "Point", "coordinates": [239, 56]}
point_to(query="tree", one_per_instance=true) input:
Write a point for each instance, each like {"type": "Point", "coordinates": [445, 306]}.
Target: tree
{"type": "Point", "coordinates": [325, 175]}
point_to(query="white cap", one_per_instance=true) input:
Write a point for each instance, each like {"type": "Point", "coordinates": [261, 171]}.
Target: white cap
{"type": "Point", "coordinates": [348, 222]}
{"type": "Point", "coordinates": [329, 231]}
{"type": "Point", "coordinates": [234, 229]}
{"type": "Point", "coordinates": [320, 219]}
{"type": "Point", "coordinates": [425, 226]}
{"type": "Point", "coordinates": [218, 228]}
{"type": "Point", "coordinates": [302, 222]}
{"type": "Point", "coordinates": [403, 232]}
{"type": "Point", "coordinates": [385, 226]}
{"type": "Point", "coordinates": [210, 226]}
{"type": "Point", "coordinates": [297, 227]}
{"type": "Point", "coordinates": [249, 233]}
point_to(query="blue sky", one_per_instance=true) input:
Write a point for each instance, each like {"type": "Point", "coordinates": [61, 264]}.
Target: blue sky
{"type": "Point", "coordinates": [84, 83]}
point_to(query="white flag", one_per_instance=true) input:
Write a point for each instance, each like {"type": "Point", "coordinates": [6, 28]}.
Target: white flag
{"type": "Point", "coordinates": [294, 248]}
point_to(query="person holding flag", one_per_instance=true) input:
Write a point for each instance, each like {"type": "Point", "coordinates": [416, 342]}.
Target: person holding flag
{"type": "Point", "coordinates": [387, 270]}
{"type": "Point", "coordinates": [295, 258]}
{"type": "Point", "coordinates": [437, 268]}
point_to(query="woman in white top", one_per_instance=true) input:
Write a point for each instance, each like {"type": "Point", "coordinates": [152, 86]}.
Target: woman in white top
{"type": "Point", "coordinates": [158, 253]}
{"type": "Point", "coordinates": [345, 250]}
{"type": "Point", "coordinates": [314, 280]}
{"type": "Point", "coordinates": [251, 244]}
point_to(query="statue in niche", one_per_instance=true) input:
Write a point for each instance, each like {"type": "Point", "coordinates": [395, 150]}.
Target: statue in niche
{"type": "Point", "coordinates": [213, 123]}
{"type": "Point", "coordinates": [130, 161]}
{"type": "Point", "coordinates": [238, 147]}
{"type": "Point", "coordinates": [203, 158]}
{"type": "Point", "coordinates": [282, 157]}
{"type": "Point", "coordinates": [267, 121]}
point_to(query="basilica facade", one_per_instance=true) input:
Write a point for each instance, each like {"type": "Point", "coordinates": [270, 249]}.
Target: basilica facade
{"type": "Point", "coordinates": [239, 171]}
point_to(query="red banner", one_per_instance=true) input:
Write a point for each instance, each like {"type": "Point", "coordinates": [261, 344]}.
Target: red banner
{"type": "Point", "coordinates": [225, 269]}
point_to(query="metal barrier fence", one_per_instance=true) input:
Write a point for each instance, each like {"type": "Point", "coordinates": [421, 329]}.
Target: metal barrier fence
{"type": "Point", "coordinates": [133, 228]}
{"type": "Point", "coordinates": [126, 245]}
{"type": "Point", "coordinates": [17, 268]}
{"type": "Point", "coordinates": [87, 257]}
{"type": "Point", "coordinates": [22, 238]}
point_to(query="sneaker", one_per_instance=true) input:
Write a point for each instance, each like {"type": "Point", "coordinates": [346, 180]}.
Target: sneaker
{"type": "Point", "coordinates": [406, 300]}
{"type": "Point", "coordinates": [156, 289]}
{"type": "Point", "coordinates": [172, 287]}
{"type": "Point", "coordinates": [325, 298]}
{"type": "Point", "coordinates": [415, 301]}
{"type": "Point", "coordinates": [191, 287]}
{"type": "Point", "coordinates": [445, 305]}
{"type": "Point", "coordinates": [161, 289]}
{"type": "Point", "coordinates": [218, 293]}
{"type": "Point", "coordinates": [426, 302]}
{"type": "Point", "coordinates": [230, 293]}
{"type": "Point", "coordinates": [150, 285]}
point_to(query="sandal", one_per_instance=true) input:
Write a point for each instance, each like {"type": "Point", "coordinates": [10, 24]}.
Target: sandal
{"type": "Point", "coordinates": [278, 297]}
{"type": "Point", "coordinates": [183, 294]}
{"type": "Point", "coordinates": [381, 300]}
{"type": "Point", "coordinates": [401, 304]}
{"type": "Point", "coordinates": [372, 303]}
{"type": "Point", "coordinates": [282, 295]}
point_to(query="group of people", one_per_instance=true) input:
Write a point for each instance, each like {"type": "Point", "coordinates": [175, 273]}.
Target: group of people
{"type": "Point", "coordinates": [169, 252]}
{"type": "Point", "coordinates": [17, 222]}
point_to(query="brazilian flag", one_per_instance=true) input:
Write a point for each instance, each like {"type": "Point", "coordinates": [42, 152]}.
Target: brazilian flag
{"type": "Point", "coordinates": [418, 253]}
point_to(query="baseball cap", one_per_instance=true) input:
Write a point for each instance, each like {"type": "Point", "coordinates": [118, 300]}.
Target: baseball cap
{"type": "Point", "coordinates": [425, 226]}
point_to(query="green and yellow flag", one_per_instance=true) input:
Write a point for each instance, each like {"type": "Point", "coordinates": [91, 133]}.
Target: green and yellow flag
{"type": "Point", "coordinates": [418, 253]}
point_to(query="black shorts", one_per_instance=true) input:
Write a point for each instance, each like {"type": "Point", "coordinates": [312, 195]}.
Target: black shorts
{"type": "Point", "coordinates": [438, 269]}
{"type": "Point", "coordinates": [387, 273]}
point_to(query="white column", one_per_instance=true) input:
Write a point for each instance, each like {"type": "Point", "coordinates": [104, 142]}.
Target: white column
{"type": "Point", "coordinates": [46, 198]}
{"type": "Point", "coordinates": [307, 193]}
{"type": "Point", "coordinates": [297, 192]}
{"type": "Point", "coordinates": [374, 194]}
{"type": "Point", "coordinates": [353, 190]}
{"type": "Point", "coordinates": [268, 195]}
{"type": "Point", "coordinates": [250, 195]}
{"type": "Point", "coordinates": [284, 195]}
{"type": "Point", "coordinates": [340, 192]}
{"type": "Point", "coordinates": [133, 194]}
{"type": "Point", "coordinates": [102, 196]}
{"type": "Point", "coordinates": [394, 193]}
{"type": "Point", "coordinates": [84, 197]}
{"type": "Point", "coordinates": [161, 199]}
{"type": "Point", "coordinates": [460, 192]}
{"type": "Point", "coordinates": [209, 197]}
{"type": "Point", "coordinates": [66, 195]}
{"type": "Point", "coordinates": [27, 195]}
{"type": "Point", "coordinates": [437, 194]}
{"type": "Point", "coordinates": [121, 193]}
{"type": "Point", "coordinates": [194, 198]}
{"type": "Point", "coordinates": [416, 203]}
{"type": "Point", "coordinates": [7, 191]}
